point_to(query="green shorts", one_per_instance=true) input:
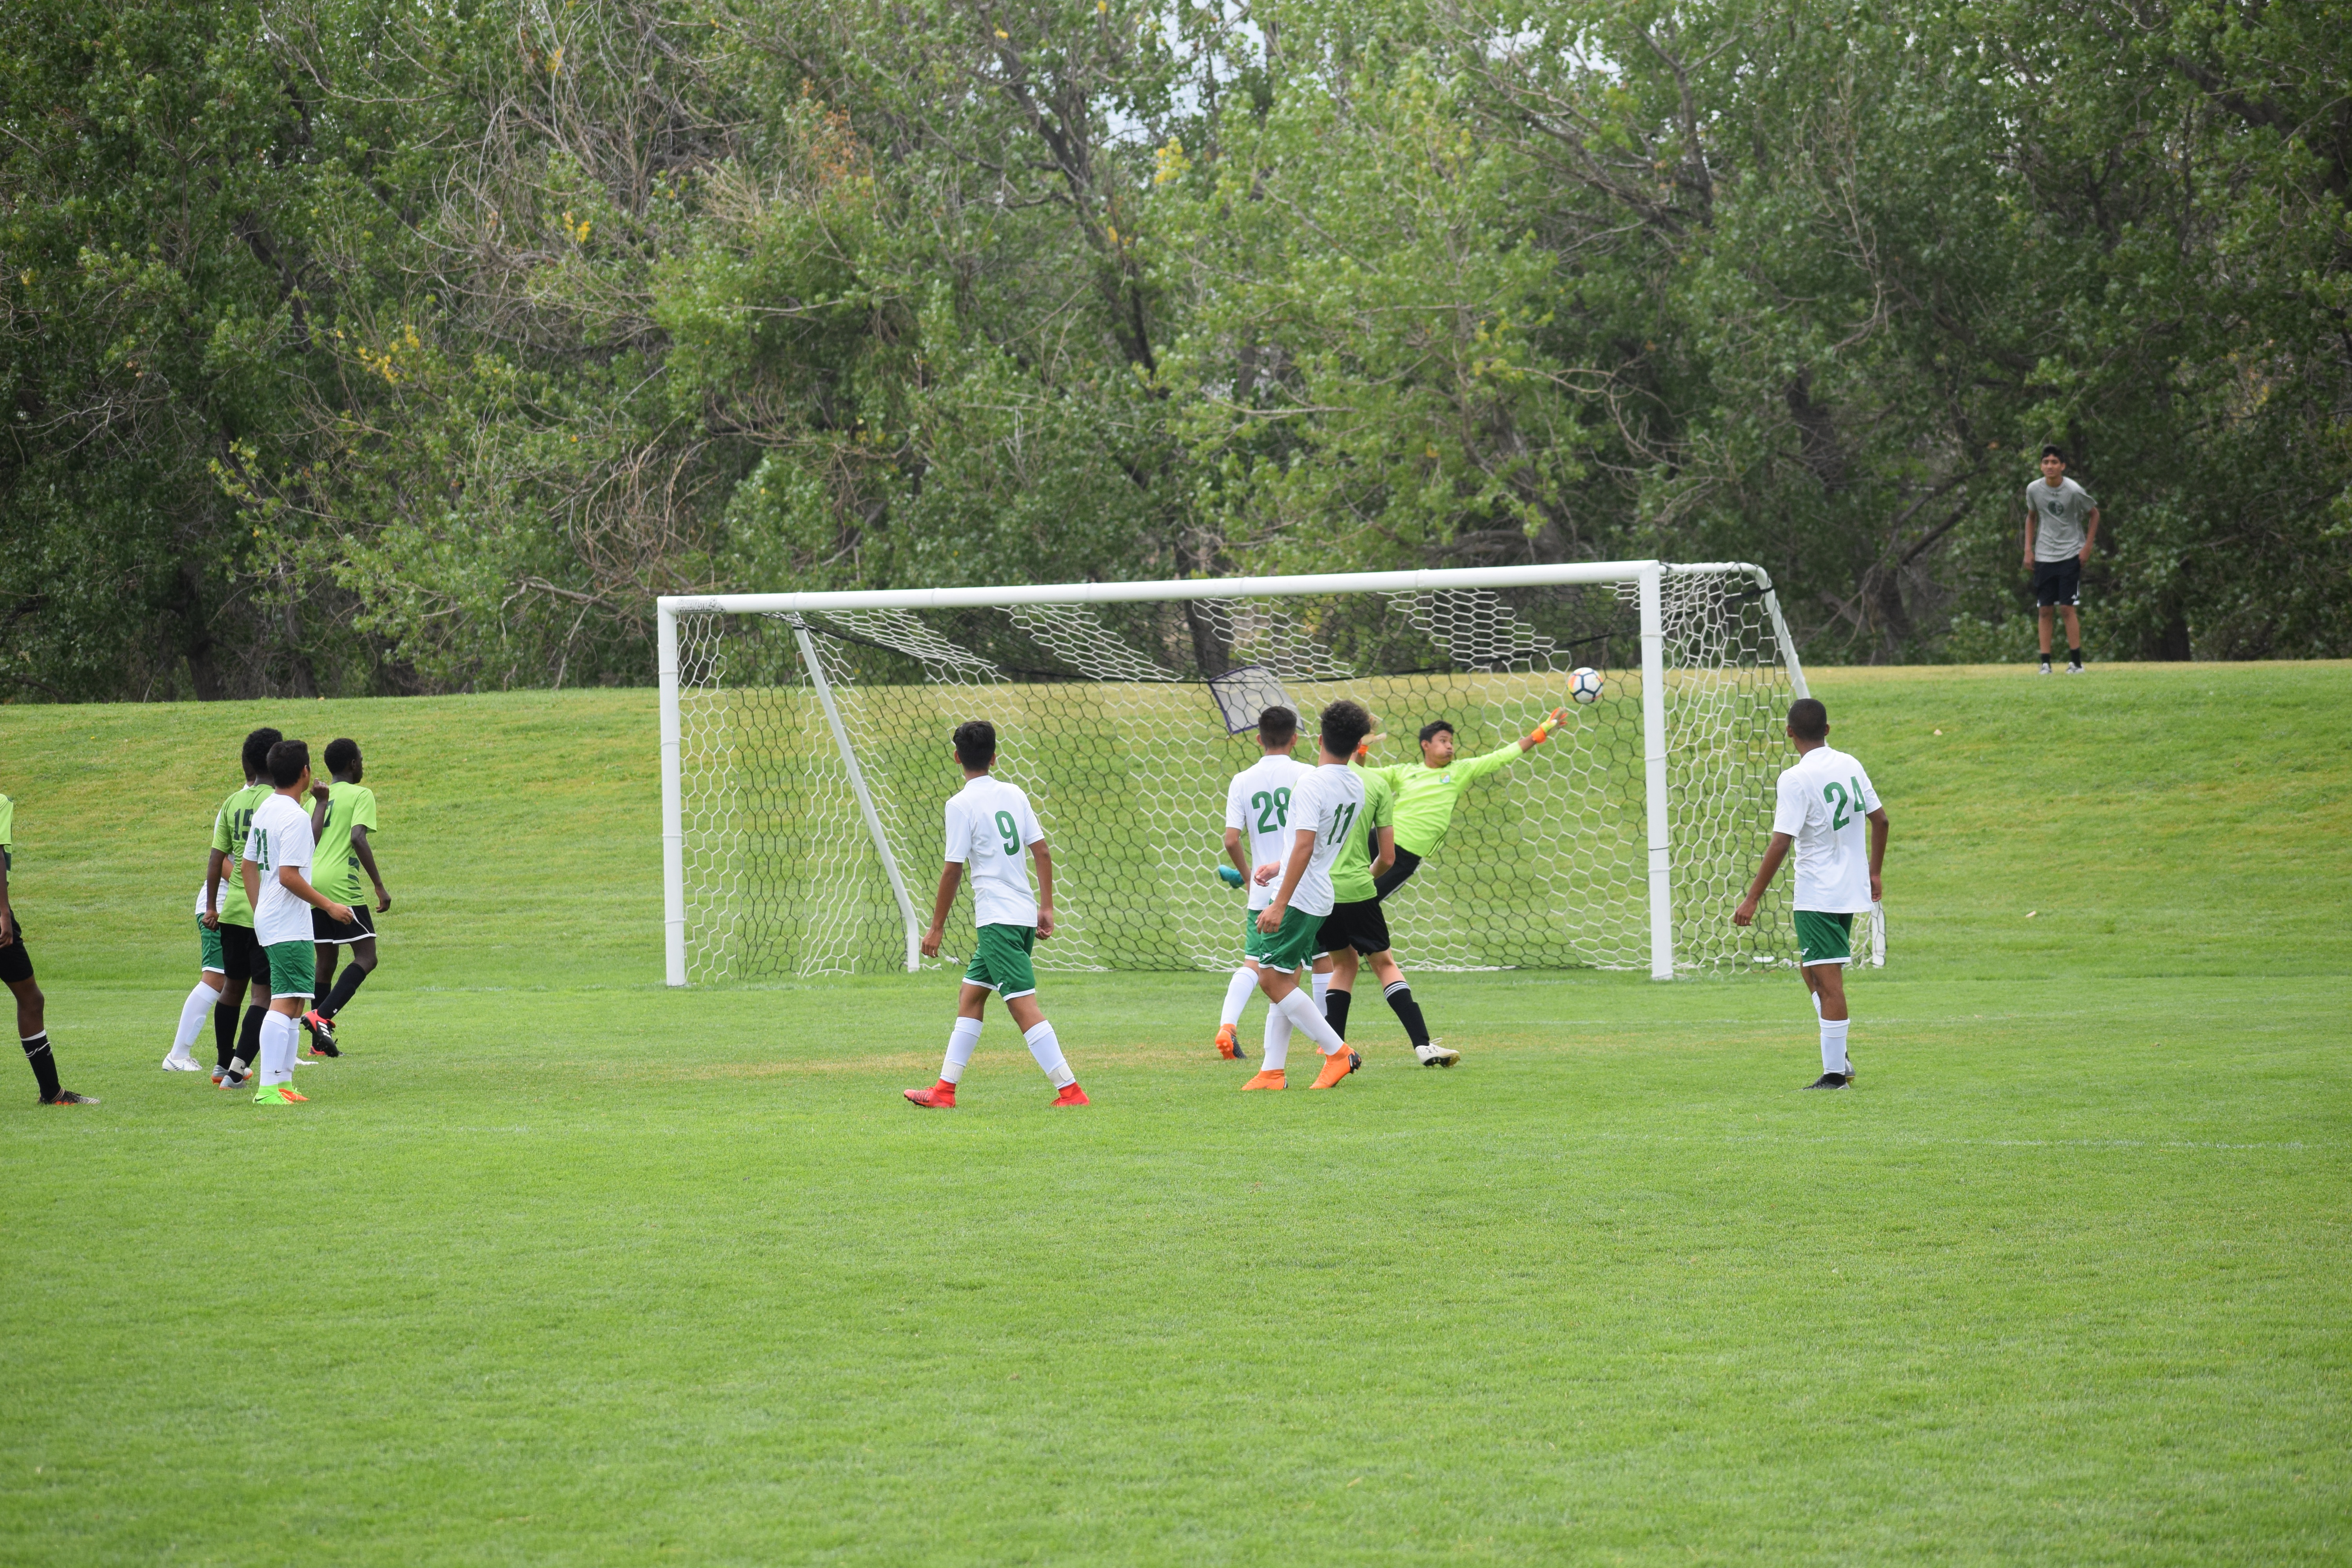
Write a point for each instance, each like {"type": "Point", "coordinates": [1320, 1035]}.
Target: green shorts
{"type": "Point", "coordinates": [293, 969]}
{"type": "Point", "coordinates": [1000, 961]}
{"type": "Point", "coordinates": [208, 948]}
{"type": "Point", "coordinates": [1294, 946]}
{"type": "Point", "coordinates": [1823, 938]}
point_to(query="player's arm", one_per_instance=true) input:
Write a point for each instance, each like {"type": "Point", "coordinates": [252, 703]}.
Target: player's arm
{"type": "Point", "coordinates": [7, 915]}
{"type": "Point", "coordinates": [2090, 536]}
{"type": "Point", "coordinates": [950, 880]}
{"type": "Point", "coordinates": [2030, 517]}
{"type": "Point", "coordinates": [320, 799]}
{"type": "Point", "coordinates": [366, 853]}
{"type": "Point", "coordinates": [1877, 849]}
{"type": "Point", "coordinates": [1045, 859]}
{"type": "Point", "coordinates": [1302, 851]}
{"type": "Point", "coordinates": [250, 874]}
{"type": "Point", "coordinates": [290, 877]}
{"type": "Point", "coordinates": [1385, 836]}
{"type": "Point", "coordinates": [215, 873]}
{"type": "Point", "coordinates": [1233, 852]}
{"type": "Point", "coordinates": [1774, 853]}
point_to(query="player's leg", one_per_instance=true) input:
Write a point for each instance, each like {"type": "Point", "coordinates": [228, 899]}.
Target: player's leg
{"type": "Point", "coordinates": [358, 940]}
{"type": "Point", "coordinates": [1341, 991]}
{"type": "Point", "coordinates": [1397, 991]}
{"type": "Point", "coordinates": [1238, 988]}
{"type": "Point", "coordinates": [293, 977]}
{"type": "Point", "coordinates": [2074, 638]}
{"type": "Point", "coordinates": [1397, 875]}
{"type": "Point", "coordinates": [2044, 614]}
{"type": "Point", "coordinates": [1038, 1035]}
{"type": "Point", "coordinates": [211, 976]}
{"type": "Point", "coordinates": [1824, 945]}
{"type": "Point", "coordinates": [1289, 951]}
{"type": "Point", "coordinates": [32, 1024]}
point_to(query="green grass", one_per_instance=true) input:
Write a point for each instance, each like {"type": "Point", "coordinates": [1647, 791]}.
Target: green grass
{"type": "Point", "coordinates": [560, 1267]}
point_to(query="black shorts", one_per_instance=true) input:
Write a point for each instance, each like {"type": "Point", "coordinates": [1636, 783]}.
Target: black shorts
{"type": "Point", "coordinates": [15, 962]}
{"type": "Point", "coordinates": [242, 960]}
{"type": "Point", "coordinates": [326, 928]}
{"type": "Point", "coordinates": [1390, 881]}
{"type": "Point", "coordinates": [1359, 925]}
{"type": "Point", "coordinates": [2058, 582]}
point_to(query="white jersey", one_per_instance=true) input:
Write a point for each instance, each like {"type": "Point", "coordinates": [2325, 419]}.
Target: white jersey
{"type": "Point", "coordinates": [990, 825]}
{"type": "Point", "coordinates": [1257, 806]}
{"type": "Point", "coordinates": [280, 838]}
{"type": "Point", "coordinates": [1328, 800]}
{"type": "Point", "coordinates": [1823, 800]}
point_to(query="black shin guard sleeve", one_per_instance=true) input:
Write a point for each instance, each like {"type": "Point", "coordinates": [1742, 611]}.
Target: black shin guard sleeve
{"type": "Point", "coordinates": [224, 1029]}
{"type": "Point", "coordinates": [248, 1038]}
{"type": "Point", "coordinates": [347, 982]}
{"type": "Point", "coordinates": [1408, 1011]}
{"type": "Point", "coordinates": [1335, 1012]}
{"type": "Point", "coordinates": [43, 1065]}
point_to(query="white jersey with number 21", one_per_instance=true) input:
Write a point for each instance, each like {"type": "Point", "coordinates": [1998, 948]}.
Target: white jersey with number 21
{"type": "Point", "coordinates": [1823, 800]}
{"type": "Point", "coordinates": [1257, 806]}
{"type": "Point", "coordinates": [990, 823]}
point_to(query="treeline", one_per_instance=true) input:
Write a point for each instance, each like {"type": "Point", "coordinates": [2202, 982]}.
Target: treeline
{"type": "Point", "coordinates": [403, 346]}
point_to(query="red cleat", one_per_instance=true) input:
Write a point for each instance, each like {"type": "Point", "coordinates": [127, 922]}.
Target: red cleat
{"type": "Point", "coordinates": [287, 1090]}
{"type": "Point", "coordinates": [1071, 1095]}
{"type": "Point", "coordinates": [1228, 1047]}
{"type": "Point", "coordinates": [940, 1095]}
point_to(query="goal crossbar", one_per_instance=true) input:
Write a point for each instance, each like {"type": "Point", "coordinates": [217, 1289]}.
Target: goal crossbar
{"type": "Point", "coordinates": [1649, 576]}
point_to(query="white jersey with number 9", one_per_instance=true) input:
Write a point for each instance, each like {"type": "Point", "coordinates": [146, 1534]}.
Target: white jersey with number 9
{"type": "Point", "coordinates": [990, 826]}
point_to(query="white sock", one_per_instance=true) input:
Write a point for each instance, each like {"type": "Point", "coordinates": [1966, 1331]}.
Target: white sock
{"type": "Point", "coordinates": [199, 1002]}
{"type": "Point", "coordinates": [1048, 1052]}
{"type": "Point", "coordinates": [1237, 995]}
{"type": "Point", "coordinates": [1278, 1041]}
{"type": "Point", "coordinates": [279, 1035]}
{"type": "Point", "coordinates": [961, 1041]}
{"type": "Point", "coordinates": [1322, 988]}
{"type": "Point", "coordinates": [1308, 1019]}
{"type": "Point", "coordinates": [1834, 1046]}
{"type": "Point", "coordinates": [1816, 998]}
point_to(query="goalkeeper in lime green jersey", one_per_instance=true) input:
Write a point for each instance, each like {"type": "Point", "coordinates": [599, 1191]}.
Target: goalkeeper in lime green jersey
{"type": "Point", "coordinates": [1426, 791]}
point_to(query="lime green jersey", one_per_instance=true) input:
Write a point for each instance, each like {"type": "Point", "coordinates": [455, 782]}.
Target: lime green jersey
{"type": "Point", "coordinates": [1425, 796]}
{"type": "Point", "coordinates": [336, 871]}
{"type": "Point", "coordinates": [231, 822]}
{"type": "Point", "coordinates": [1352, 870]}
{"type": "Point", "coordinates": [8, 832]}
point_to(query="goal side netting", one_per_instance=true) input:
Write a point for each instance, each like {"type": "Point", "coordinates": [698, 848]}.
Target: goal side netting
{"type": "Point", "coordinates": [806, 761]}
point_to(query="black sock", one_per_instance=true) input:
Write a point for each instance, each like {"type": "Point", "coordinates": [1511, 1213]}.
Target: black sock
{"type": "Point", "coordinates": [44, 1065]}
{"type": "Point", "coordinates": [225, 1030]}
{"type": "Point", "coordinates": [2073, 655]}
{"type": "Point", "coordinates": [1335, 1011]}
{"type": "Point", "coordinates": [346, 983]}
{"type": "Point", "coordinates": [248, 1038]}
{"type": "Point", "coordinates": [1408, 1010]}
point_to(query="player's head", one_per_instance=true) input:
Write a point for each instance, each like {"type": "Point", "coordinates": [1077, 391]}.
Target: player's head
{"type": "Point", "coordinates": [257, 753]}
{"type": "Point", "coordinates": [1278, 729]}
{"type": "Point", "coordinates": [343, 759]}
{"type": "Point", "coordinates": [290, 765]}
{"type": "Point", "coordinates": [1345, 723]}
{"type": "Point", "coordinates": [1436, 739]}
{"type": "Point", "coordinates": [1808, 720]}
{"type": "Point", "coordinates": [2053, 461]}
{"type": "Point", "coordinates": [975, 745]}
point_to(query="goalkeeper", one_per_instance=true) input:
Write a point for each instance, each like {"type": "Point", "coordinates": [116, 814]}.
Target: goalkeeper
{"type": "Point", "coordinates": [1426, 791]}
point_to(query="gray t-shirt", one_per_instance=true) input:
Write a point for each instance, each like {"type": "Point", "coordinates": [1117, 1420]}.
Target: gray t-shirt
{"type": "Point", "coordinates": [2062, 518]}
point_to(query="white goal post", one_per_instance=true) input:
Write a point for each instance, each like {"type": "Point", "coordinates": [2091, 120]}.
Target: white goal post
{"type": "Point", "coordinates": [804, 753]}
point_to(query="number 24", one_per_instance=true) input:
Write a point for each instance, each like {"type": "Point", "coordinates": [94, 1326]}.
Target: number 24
{"type": "Point", "coordinates": [1836, 794]}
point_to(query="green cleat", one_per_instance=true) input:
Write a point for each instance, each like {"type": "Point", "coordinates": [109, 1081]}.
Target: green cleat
{"type": "Point", "coordinates": [274, 1094]}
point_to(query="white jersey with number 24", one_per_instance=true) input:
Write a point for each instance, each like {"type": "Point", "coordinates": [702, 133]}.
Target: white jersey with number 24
{"type": "Point", "coordinates": [990, 825]}
{"type": "Point", "coordinates": [1823, 800]}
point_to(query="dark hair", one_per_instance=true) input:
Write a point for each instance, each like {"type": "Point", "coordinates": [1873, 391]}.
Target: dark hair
{"type": "Point", "coordinates": [1345, 724]}
{"type": "Point", "coordinates": [975, 743]}
{"type": "Point", "coordinates": [288, 760]}
{"type": "Point", "coordinates": [1808, 720]}
{"type": "Point", "coordinates": [256, 751]}
{"type": "Point", "coordinates": [342, 756]}
{"type": "Point", "coordinates": [1434, 728]}
{"type": "Point", "coordinates": [1277, 723]}
{"type": "Point", "coordinates": [2053, 452]}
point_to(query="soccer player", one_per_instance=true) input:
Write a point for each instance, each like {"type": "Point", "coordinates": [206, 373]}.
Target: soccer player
{"type": "Point", "coordinates": [342, 821]}
{"type": "Point", "coordinates": [988, 824]}
{"type": "Point", "coordinates": [243, 974]}
{"type": "Point", "coordinates": [17, 973]}
{"type": "Point", "coordinates": [1823, 802]}
{"type": "Point", "coordinates": [2062, 521]}
{"type": "Point", "coordinates": [1258, 810]}
{"type": "Point", "coordinates": [1325, 809]}
{"type": "Point", "coordinates": [211, 966]}
{"type": "Point", "coordinates": [1357, 929]}
{"type": "Point", "coordinates": [278, 851]}
{"type": "Point", "coordinates": [1426, 791]}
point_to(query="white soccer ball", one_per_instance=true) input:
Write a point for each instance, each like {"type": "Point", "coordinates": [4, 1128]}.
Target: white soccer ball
{"type": "Point", "coordinates": [1584, 685]}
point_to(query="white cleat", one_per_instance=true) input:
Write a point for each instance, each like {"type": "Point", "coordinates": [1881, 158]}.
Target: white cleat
{"type": "Point", "coordinates": [1436, 1054]}
{"type": "Point", "coordinates": [178, 1063]}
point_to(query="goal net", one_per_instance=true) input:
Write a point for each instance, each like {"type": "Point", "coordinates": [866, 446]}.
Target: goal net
{"type": "Point", "coordinates": [806, 761]}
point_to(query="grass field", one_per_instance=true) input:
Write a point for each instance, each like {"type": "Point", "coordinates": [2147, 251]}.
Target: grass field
{"type": "Point", "coordinates": [562, 1268]}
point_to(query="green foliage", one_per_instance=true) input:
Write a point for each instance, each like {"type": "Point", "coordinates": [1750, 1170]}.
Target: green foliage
{"type": "Point", "coordinates": [355, 345]}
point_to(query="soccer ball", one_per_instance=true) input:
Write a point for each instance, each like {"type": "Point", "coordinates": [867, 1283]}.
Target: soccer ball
{"type": "Point", "coordinates": [1584, 685]}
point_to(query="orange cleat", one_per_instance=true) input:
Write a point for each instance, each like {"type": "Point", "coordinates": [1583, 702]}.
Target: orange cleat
{"type": "Point", "coordinates": [287, 1090]}
{"type": "Point", "coordinates": [1269, 1079]}
{"type": "Point", "coordinates": [1071, 1095]}
{"type": "Point", "coordinates": [1337, 1066]}
{"type": "Point", "coordinates": [940, 1095]}
{"type": "Point", "coordinates": [1228, 1047]}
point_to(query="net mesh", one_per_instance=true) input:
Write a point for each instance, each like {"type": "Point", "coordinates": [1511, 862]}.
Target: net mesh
{"type": "Point", "coordinates": [1119, 721]}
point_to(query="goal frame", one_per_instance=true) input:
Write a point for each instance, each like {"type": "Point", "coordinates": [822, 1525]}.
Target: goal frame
{"type": "Point", "coordinates": [1650, 575]}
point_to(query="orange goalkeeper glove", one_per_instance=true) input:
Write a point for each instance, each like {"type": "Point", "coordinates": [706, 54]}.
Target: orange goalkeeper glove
{"type": "Point", "coordinates": [1542, 731]}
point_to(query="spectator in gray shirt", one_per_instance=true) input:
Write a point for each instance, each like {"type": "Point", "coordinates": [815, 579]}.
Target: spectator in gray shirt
{"type": "Point", "coordinates": [2061, 521]}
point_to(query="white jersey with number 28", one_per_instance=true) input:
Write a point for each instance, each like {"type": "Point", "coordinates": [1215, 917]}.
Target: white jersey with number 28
{"type": "Point", "coordinates": [990, 825]}
{"type": "Point", "coordinates": [1257, 806]}
{"type": "Point", "coordinates": [1823, 800]}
